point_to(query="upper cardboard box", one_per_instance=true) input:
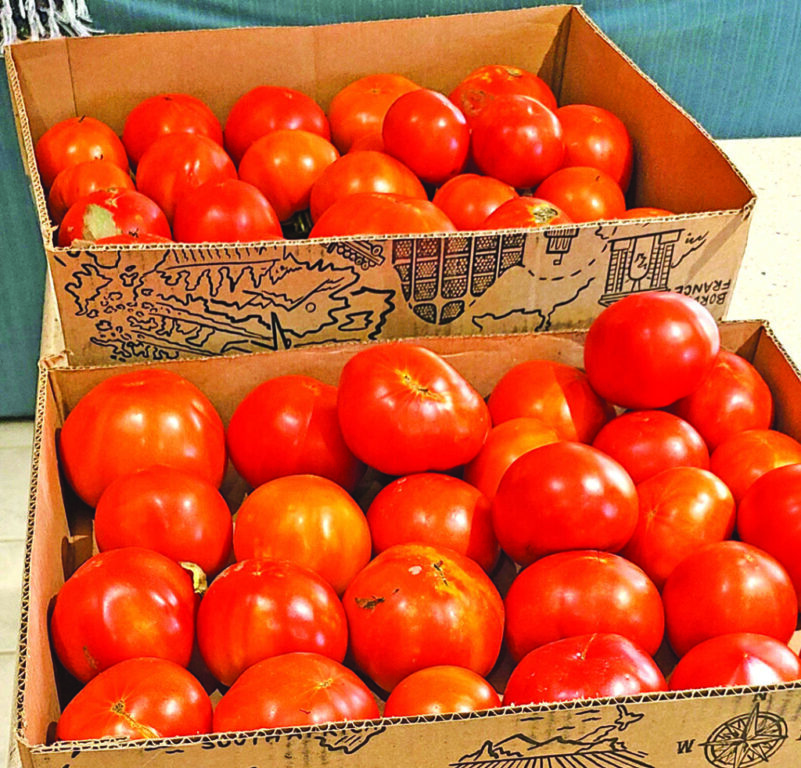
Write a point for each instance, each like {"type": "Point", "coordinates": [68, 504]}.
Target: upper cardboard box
{"type": "Point", "coordinates": [159, 303]}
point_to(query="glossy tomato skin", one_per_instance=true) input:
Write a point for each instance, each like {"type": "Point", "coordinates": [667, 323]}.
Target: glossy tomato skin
{"type": "Point", "coordinates": [288, 425]}
{"type": "Point", "coordinates": [132, 238]}
{"type": "Point", "coordinates": [134, 420]}
{"type": "Point", "coordinates": [404, 409]}
{"type": "Point", "coordinates": [525, 211]}
{"type": "Point", "coordinates": [416, 606]}
{"type": "Point", "coordinates": [171, 511]}
{"type": "Point", "coordinates": [440, 690]}
{"type": "Point", "coordinates": [583, 193]}
{"type": "Point", "coordinates": [563, 495]}
{"type": "Point", "coordinates": [298, 688]}
{"type": "Point", "coordinates": [140, 698]}
{"type": "Point", "coordinates": [583, 667]}
{"type": "Point", "coordinates": [122, 604]}
{"type": "Point", "coordinates": [581, 592]}
{"type": "Point", "coordinates": [468, 198]}
{"type": "Point", "coordinates": [79, 180]}
{"type": "Point", "coordinates": [729, 586]}
{"type": "Point", "coordinates": [256, 609]}
{"type": "Point", "coordinates": [647, 350]}
{"type": "Point", "coordinates": [645, 212]}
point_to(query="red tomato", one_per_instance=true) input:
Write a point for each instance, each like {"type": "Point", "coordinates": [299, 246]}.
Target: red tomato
{"type": "Point", "coordinates": [76, 140]}
{"type": "Point", "coordinates": [134, 420]}
{"type": "Point", "coordinates": [731, 398]}
{"type": "Point", "coordinates": [467, 199]}
{"type": "Point", "coordinates": [176, 164]}
{"type": "Point", "coordinates": [365, 171]}
{"type": "Point", "coordinates": [440, 690]}
{"type": "Point", "coordinates": [229, 211]}
{"type": "Point", "coordinates": [141, 698]}
{"type": "Point", "coordinates": [560, 496]}
{"type": "Point", "coordinates": [681, 510]}
{"type": "Point", "coordinates": [416, 606]}
{"type": "Point", "coordinates": [288, 425]}
{"type": "Point", "coordinates": [525, 212]}
{"type": "Point", "coordinates": [294, 689]}
{"type": "Point", "coordinates": [79, 180]}
{"type": "Point", "coordinates": [649, 349]}
{"type": "Point", "coordinates": [583, 193]}
{"type": "Point", "coordinates": [428, 133]}
{"type": "Point", "coordinates": [645, 212]}
{"type": "Point", "coordinates": [108, 212]}
{"type": "Point", "coordinates": [284, 165]}
{"type": "Point", "coordinates": [436, 509]}
{"type": "Point", "coordinates": [256, 609]}
{"type": "Point", "coordinates": [404, 409]}
{"type": "Point", "coordinates": [583, 667]}
{"type": "Point", "coordinates": [517, 140]}
{"type": "Point", "coordinates": [744, 457]}
{"type": "Point", "coordinates": [176, 513]}
{"type": "Point", "coordinates": [647, 442]}
{"type": "Point", "coordinates": [122, 604]}
{"type": "Point", "coordinates": [506, 442]}
{"type": "Point", "coordinates": [132, 238]}
{"type": "Point", "coordinates": [596, 137]}
{"type": "Point", "coordinates": [357, 111]}
{"type": "Point", "coordinates": [769, 517]}
{"type": "Point", "coordinates": [729, 586]}
{"type": "Point", "coordinates": [308, 520]}
{"type": "Point", "coordinates": [369, 213]}
{"type": "Point", "coordinates": [740, 658]}
{"type": "Point", "coordinates": [556, 393]}
{"type": "Point", "coordinates": [267, 108]}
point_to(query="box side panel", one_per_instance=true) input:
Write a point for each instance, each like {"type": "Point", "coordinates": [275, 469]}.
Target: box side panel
{"type": "Point", "coordinates": [783, 378]}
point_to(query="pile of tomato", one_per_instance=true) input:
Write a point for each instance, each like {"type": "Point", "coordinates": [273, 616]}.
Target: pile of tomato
{"type": "Point", "coordinates": [408, 546]}
{"type": "Point", "coordinates": [389, 156]}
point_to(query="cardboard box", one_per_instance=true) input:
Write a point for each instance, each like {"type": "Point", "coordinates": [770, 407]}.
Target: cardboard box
{"type": "Point", "coordinates": [718, 727]}
{"type": "Point", "coordinates": [160, 303]}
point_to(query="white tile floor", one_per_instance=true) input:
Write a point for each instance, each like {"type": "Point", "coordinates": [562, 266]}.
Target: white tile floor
{"type": "Point", "coordinates": [768, 288]}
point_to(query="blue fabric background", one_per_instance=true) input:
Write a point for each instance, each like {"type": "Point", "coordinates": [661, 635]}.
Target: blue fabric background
{"type": "Point", "coordinates": [733, 64]}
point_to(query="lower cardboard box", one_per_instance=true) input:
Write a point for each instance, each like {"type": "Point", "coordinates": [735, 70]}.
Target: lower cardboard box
{"type": "Point", "coordinates": [720, 727]}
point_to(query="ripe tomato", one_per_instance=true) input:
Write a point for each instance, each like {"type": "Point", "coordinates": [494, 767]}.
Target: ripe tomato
{"type": "Point", "coordinates": [596, 137]}
{"type": "Point", "coordinates": [556, 393]}
{"type": "Point", "coordinates": [79, 180]}
{"type": "Point", "coordinates": [645, 212]}
{"type": "Point", "coordinates": [649, 349]}
{"type": "Point", "coordinates": [404, 409]}
{"type": "Point", "coordinates": [436, 509]}
{"type": "Point", "coordinates": [583, 193]}
{"type": "Point", "coordinates": [357, 111]}
{"type": "Point", "coordinates": [228, 211]}
{"type": "Point", "coordinates": [729, 586]}
{"type": "Point", "coordinates": [109, 212]}
{"type": "Point", "coordinates": [141, 698]}
{"type": "Point", "coordinates": [294, 689]}
{"type": "Point", "coordinates": [256, 609]}
{"type": "Point", "coordinates": [428, 133]}
{"type": "Point", "coordinates": [308, 520]}
{"type": "Point", "coordinates": [440, 690]}
{"type": "Point", "coordinates": [578, 593]}
{"type": "Point", "coordinates": [166, 113]}
{"type": "Point", "coordinates": [122, 604]}
{"type": "Point", "coordinates": [560, 496]}
{"type": "Point", "coordinates": [176, 164]}
{"type": "Point", "coordinates": [467, 199]}
{"type": "Point", "coordinates": [284, 165]}
{"type": "Point", "coordinates": [132, 238]}
{"type": "Point", "coordinates": [134, 420]}
{"type": "Point", "coordinates": [739, 658]}
{"type": "Point", "coordinates": [583, 667]}
{"type": "Point", "coordinates": [174, 512]}
{"type": "Point", "coordinates": [365, 171]}
{"type": "Point", "coordinates": [416, 606]}
{"type": "Point", "coordinates": [731, 398]}
{"type": "Point", "coordinates": [75, 140]}
{"type": "Point", "coordinates": [681, 510]}
{"type": "Point", "coordinates": [525, 211]}
{"type": "Point", "coordinates": [267, 108]}
{"type": "Point", "coordinates": [288, 425]}
{"type": "Point", "coordinates": [517, 140]}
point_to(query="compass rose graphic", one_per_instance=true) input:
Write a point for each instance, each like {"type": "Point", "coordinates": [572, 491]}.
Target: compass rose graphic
{"type": "Point", "coordinates": [745, 740]}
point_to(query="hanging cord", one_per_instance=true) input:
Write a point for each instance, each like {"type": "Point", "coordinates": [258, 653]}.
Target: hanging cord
{"type": "Point", "coordinates": [40, 19]}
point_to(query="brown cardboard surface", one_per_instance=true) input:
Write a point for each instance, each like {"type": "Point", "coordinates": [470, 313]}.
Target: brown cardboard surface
{"type": "Point", "coordinates": [652, 731]}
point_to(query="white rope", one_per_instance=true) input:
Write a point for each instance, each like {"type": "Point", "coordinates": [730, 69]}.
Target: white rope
{"type": "Point", "coordinates": [31, 21]}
